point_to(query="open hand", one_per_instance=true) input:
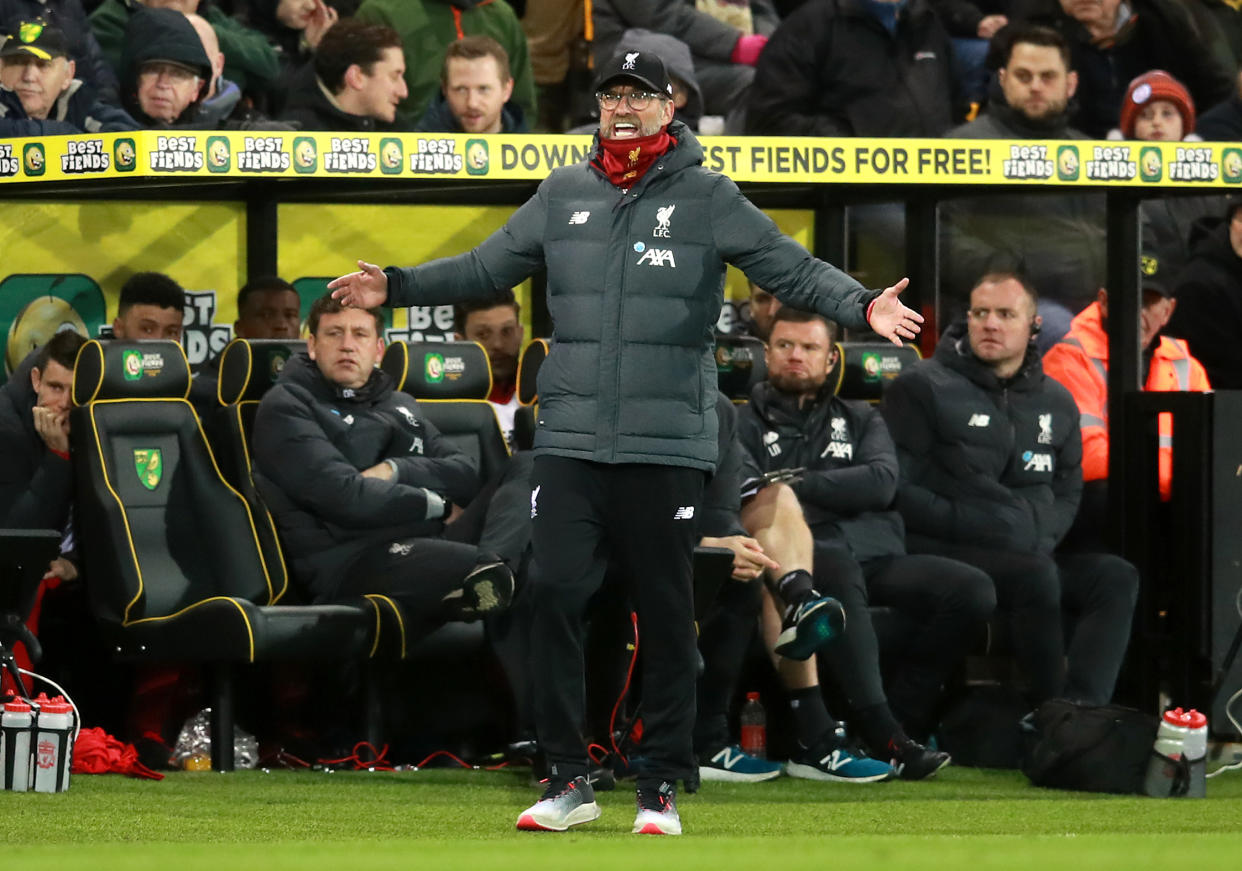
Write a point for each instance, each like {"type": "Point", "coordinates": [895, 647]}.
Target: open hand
{"type": "Point", "coordinates": [366, 288]}
{"type": "Point", "coordinates": [892, 320]}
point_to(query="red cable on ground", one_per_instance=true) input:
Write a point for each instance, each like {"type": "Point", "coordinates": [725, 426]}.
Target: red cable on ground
{"type": "Point", "coordinates": [377, 760]}
{"type": "Point", "coordinates": [629, 673]}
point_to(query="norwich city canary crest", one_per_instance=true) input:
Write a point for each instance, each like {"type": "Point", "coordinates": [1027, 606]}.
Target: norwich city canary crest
{"type": "Point", "coordinates": [149, 464]}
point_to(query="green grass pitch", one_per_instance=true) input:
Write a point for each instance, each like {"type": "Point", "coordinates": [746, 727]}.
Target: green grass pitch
{"type": "Point", "coordinates": [314, 821]}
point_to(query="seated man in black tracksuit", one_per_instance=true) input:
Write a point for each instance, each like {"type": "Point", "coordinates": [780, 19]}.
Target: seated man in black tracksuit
{"type": "Point", "coordinates": [360, 484]}
{"type": "Point", "coordinates": [853, 545]}
{"type": "Point", "coordinates": [991, 455]}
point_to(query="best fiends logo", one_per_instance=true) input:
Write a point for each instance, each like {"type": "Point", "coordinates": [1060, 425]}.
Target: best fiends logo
{"type": "Point", "coordinates": [263, 154]}
{"type": "Point", "coordinates": [84, 157]}
{"type": "Point", "coordinates": [8, 163]}
{"type": "Point", "coordinates": [351, 155]}
{"type": "Point", "coordinates": [176, 154]}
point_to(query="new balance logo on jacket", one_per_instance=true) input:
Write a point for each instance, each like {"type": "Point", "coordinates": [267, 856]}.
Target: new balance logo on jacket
{"type": "Point", "coordinates": [579, 217]}
{"type": "Point", "coordinates": [686, 512]}
{"type": "Point", "coordinates": [979, 420]}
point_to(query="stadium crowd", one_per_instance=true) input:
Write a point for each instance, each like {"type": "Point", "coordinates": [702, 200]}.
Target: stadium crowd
{"type": "Point", "coordinates": [974, 492]}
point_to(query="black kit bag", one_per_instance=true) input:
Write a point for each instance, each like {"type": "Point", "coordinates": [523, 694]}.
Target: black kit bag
{"type": "Point", "coordinates": [1102, 748]}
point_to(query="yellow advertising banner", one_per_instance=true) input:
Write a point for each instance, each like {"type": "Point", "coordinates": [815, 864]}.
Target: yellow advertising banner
{"type": "Point", "coordinates": [151, 154]}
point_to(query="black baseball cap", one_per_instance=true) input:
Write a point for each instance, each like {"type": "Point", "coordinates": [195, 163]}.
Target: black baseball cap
{"type": "Point", "coordinates": [1150, 277]}
{"type": "Point", "coordinates": [35, 39]}
{"type": "Point", "coordinates": [643, 67]}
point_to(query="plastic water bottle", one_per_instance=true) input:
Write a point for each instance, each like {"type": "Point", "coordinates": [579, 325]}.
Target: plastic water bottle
{"type": "Point", "coordinates": [1180, 748]}
{"type": "Point", "coordinates": [53, 744]}
{"type": "Point", "coordinates": [16, 723]}
{"type": "Point", "coordinates": [754, 727]}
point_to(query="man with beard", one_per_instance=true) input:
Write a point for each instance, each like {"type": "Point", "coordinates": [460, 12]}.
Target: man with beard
{"type": "Point", "coordinates": [494, 324]}
{"type": "Point", "coordinates": [1056, 239]}
{"type": "Point", "coordinates": [634, 240]}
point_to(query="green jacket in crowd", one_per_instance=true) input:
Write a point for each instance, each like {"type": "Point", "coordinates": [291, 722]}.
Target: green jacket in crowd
{"type": "Point", "coordinates": [249, 59]}
{"type": "Point", "coordinates": [635, 282]}
{"type": "Point", "coordinates": [427, 27]}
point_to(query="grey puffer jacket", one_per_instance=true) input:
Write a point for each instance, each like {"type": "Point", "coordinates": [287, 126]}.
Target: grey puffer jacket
{"type": "Point", "coordinates": [634, 287]}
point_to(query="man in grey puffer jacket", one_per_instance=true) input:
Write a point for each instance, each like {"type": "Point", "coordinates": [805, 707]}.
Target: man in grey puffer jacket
{"type": "Point", "coordinates": [635, 242]}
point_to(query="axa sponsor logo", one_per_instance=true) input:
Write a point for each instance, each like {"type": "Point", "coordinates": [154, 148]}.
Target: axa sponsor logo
{"type": "Point", "coordinates": [1036, 462]}
{"type": "Point", "coordinates": [655, 256]}
{"type": "Point", "coordinates": [839, 451]}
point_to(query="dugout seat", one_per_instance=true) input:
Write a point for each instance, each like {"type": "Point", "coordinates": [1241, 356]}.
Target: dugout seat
{"type": "Point", "coordinates": [172, 550]}
{"type": "Point", "coordinates": [740, 365]}
{"type": "Point", "coordinates": [532, 358]}
{"type": "Point", "coordinates": [451, 381]}
{"type": "Point", "coordinates": [865, 368]}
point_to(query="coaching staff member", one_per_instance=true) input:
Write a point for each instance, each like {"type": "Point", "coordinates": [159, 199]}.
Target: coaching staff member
{"type": "Point", "coordinates": [635, 241]}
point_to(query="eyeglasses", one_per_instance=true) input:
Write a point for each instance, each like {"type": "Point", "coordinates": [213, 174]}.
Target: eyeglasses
{"type": "Point", "coordinates": [172, 71]}
{"type": "Point", "coordinates": [638, 100]}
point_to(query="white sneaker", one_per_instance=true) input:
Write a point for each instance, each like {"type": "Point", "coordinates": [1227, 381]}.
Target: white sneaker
{"type": "Point", "coordinates": [657, 811]}
{"type": "Point", "coordinates": [563, 805]}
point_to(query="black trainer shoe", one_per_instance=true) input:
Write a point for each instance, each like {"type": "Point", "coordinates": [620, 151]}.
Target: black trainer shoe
{"type": "Point", "coordinates": [488, 589]}
{"type": "Point", "coordinates": [564, 804]}
{"type": "Point", "coordinates": [913, 761]}
{"type": "Point", "coordinates": [808, 626]}
{"type": "Point", "coordinates": [657, 811]}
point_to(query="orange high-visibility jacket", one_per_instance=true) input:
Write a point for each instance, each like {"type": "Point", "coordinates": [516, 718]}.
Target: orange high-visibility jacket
{"type": "Point", "coordinates": [1080, 362]}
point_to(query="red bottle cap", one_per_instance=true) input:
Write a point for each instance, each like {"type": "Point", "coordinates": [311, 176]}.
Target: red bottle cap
{"type": "Point", "coordinates": [1195, 720]}
{"type": "Point", "coordinates": [56, 705]}
{"type": "Point", "coordinates": [17, 706]}
{"type": "Point", "coordinates": [752, 697]}
{"type": "Point", "coordinates": [1188, 719]}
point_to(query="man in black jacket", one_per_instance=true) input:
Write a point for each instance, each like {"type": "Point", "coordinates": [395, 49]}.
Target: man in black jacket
{"type": "Point", "coordinates": [36, 476]}
{"type": "Point", "coordinates": [635, 242]}
{"type": "Point", "coordinates": [991, 475]}
{"type": "Point", "coordinates": [360, 484]}
{"type": "Point", "coordinates": [854, 68]}
{"type": "Point", "coordinates": [1209, 298]}
{"type": "Point", "coordinates": [355, 83]}
{"type": "Point", "coordinates": [845, 493]}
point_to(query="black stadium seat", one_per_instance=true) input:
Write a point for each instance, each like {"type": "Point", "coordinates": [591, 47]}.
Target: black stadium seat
{"type": "Point", "coordinates": [532, 358]}
{"type": "Point", "coordinates": [171, 550]}
{"type": "Point", "coordinates": [865, 368]}
{"type": "Point", "coordinates": [740, 365]}
{"type": "Point", "coordinates": [451, 381]}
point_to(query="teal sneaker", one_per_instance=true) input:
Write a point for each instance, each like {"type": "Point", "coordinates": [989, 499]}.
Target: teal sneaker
{"type": "Point", "coordinates": [731, 763]}
{"type": "Point", "coordinates": [836, 758]}
{"type": "Point", "coordinates": [808, 626]}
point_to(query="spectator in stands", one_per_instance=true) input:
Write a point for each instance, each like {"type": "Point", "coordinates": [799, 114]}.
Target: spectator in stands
{"type": "Point", "coordinates": [726, 41]}
{"type": "Point", "coordinates": [554, 29]}
{"type": "Point", "coordinates": [294, 29]}
{"type": "Point", "coordinates": [427, 27]}
{"type": "Point", "coordinates": [40, 94]}
{"type": "Point", "coordinates": [69, 17]}
{"type": "Point", "coordinates": [854, 68]}
{"type": "Point", "coordinates": [971, 24]}
{"type": "Point", "coordinates": [475, 91]}
{"type": "Point", "coordinates": [36, 475]}
{"type": "Point", "coordinates": [687, 95]}
{"type": "Point", "coordinates": [762, 310]}
{"type": "Point", "coordinates": [1209, 298]}
{"type": "Point", "coordinates": [991, 454]}
{"type": "Point", "coordinates": [1080, 362]}
{"type": "Point", "coordinates": [355, 84]}
{"type": "Point", "coordinates": [1158, 108]}
{"type": "Point", "coordinates": [1112, 42]}
{"type": "Point", "coordinates": [856, 545]}
{"type": "Point", "coordinates": [1057, 238]}
{"type": "Point", "coordinates": [359, 483]}
{"type": "Point", "coordinates": [495, 324]}
{"type": "Point", "coordinates": [222, 106]}
{"type": "Point", "coordinates": [1223, 122]}
{"type": "Point", "coordinates": [151, 306]}
{"type": "Point", "coordinates": [251, 61]}
{"type": "Point", "coordinates": [1220, 24]}
{"type": "Point", "coordinates": [165, 70]}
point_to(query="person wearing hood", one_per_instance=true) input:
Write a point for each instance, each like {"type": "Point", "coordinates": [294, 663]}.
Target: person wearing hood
{"type": "Point", "coordinates": [475, 91]}
{"type": "Point", "coordinates": [69, 17]}
{"type": "Point", "coordinates": [39, 94]}
{"type": "Point", "coordinates": [990, 454]}
{"type": "Point", "coordinates": [1057, 240]}
{"type": "Point", "coordinates": [165, 71]}
{"type": "Point", "coordinates": [427, 27]}
{"type": "Point", "coordinates": [356, 82]}
{"type": "Point", "coordinates": [250, 61]}
{"type": "Point", "coordinates": [854, 68]}
{"type": "Point", "coordinates": [1209, 298]}
{"type": "Point", "coordinates": [635, 240]}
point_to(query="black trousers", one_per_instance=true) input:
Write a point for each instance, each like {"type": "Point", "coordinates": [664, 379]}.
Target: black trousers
{"type": "Point", "coordinates": [1040, 596]}
{"type": "Point", "coordinates": [641, 517]}
{"type": "Point", "coordinates": [946, 602]}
